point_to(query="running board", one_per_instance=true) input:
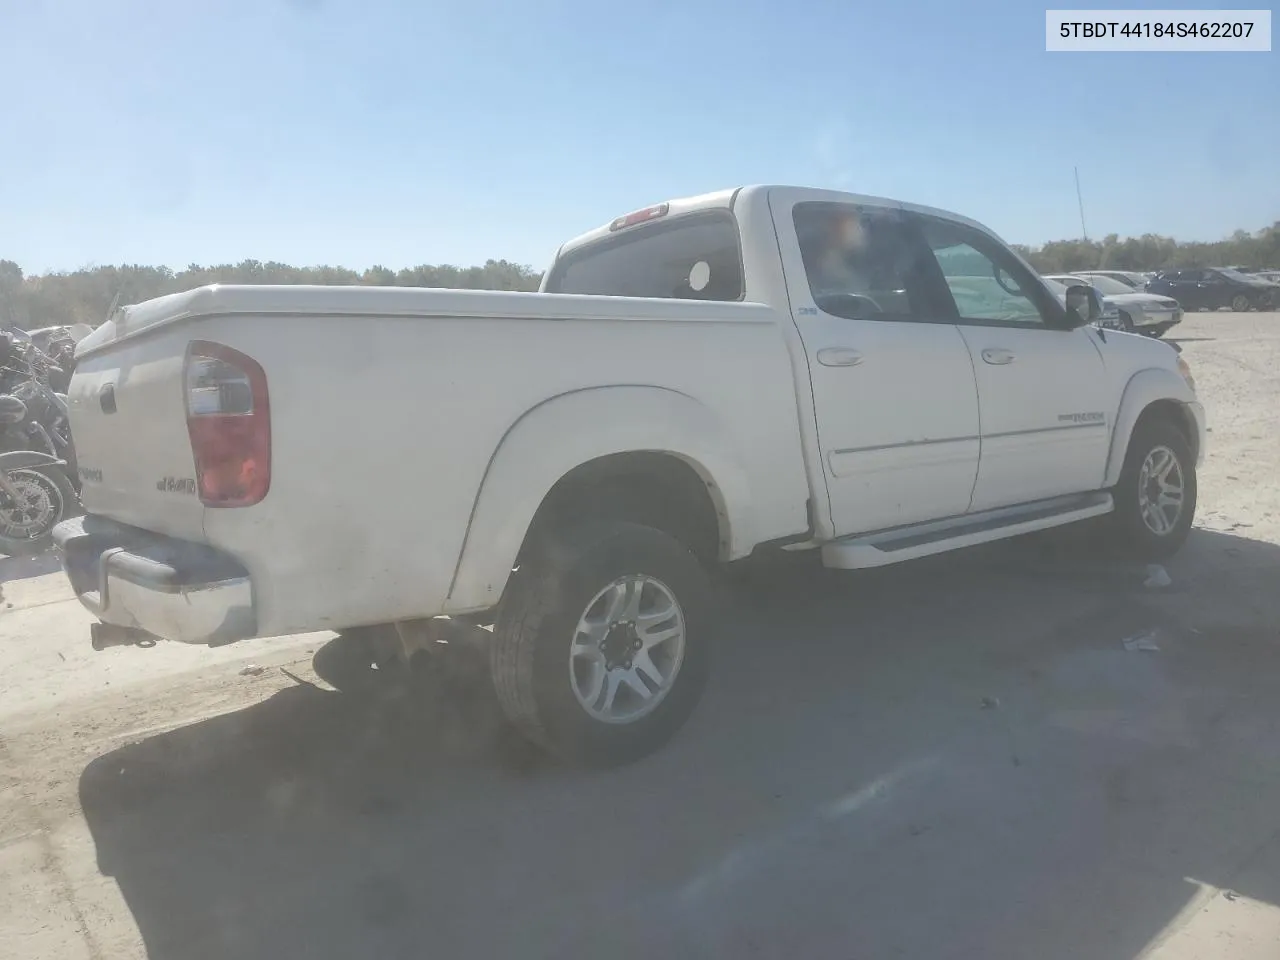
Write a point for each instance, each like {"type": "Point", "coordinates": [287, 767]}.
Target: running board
{"type": "Point", "coordinates": [925, 539]}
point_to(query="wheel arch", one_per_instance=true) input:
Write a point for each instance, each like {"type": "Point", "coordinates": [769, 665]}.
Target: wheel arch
{"type": "Point", "coordinates": [1151, 393]}
{"type": "Point", "coordinates": [648, 438]}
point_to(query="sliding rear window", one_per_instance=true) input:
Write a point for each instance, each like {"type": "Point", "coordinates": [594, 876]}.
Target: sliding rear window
{"type": "Point", "coordinates": [694, 257]}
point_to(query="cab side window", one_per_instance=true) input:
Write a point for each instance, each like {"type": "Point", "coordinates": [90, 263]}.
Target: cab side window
{"type": "Point", "coordinates": [864, 263]}
{"type": "Point", "coordinates": [986, 283]}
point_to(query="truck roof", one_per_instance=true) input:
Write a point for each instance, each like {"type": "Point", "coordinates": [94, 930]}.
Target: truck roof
{"type": "Point", "coordinates": [759, 193]}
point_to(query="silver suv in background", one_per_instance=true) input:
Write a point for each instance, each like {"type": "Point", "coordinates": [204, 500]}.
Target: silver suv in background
{"type": "Point", "coordinates": [1138, 312]}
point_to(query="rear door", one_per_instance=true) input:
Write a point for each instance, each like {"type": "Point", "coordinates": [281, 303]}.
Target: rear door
{"type": "Point", "coordinates": [1042, 390]}
{"type": "Point", "coordinates": [893, 387]}
{"type": "Point", "coordinates": [1187, 288]}
{"type": "Point", "coordinates": [128, 424]}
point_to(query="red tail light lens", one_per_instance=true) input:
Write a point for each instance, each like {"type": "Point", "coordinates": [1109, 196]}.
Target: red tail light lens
{"type": "Point", "coordinates": [229, 423]}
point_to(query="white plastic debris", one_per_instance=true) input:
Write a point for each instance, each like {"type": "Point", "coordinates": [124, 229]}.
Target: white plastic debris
{"type": "Point", "coordinates": [1157, 577]}
{"type": "Point", "coordinates": [251, 670]}
{"type": "Point", "coordinates": [1146, 640]}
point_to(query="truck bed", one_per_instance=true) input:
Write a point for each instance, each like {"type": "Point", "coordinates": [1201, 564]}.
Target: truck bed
{"type": "Point", "coordinates": [388, 409]}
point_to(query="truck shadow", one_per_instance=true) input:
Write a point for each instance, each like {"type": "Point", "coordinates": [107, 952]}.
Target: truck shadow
{"type": "Point", "coordinates": [959, 758]}
{"type": "Point", "coordinates": [24, 568]}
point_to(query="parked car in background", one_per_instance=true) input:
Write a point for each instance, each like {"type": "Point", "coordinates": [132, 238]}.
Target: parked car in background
{"type": "Point", "coordinates": [1130, 278]}
{"type": "Point", "coordinates": [1109, 318]}
{"type": "Point", "coordinates": [1140, 312]}
{"type": "Point", "coordinates": [1213, 288]}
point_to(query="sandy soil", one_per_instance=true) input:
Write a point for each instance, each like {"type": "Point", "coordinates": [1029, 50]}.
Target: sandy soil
{"type": "Point", "coordinates": [957, 758]}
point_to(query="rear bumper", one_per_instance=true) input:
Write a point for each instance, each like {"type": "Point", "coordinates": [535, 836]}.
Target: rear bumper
{"type": "Point", "coordinates": [175, 589]}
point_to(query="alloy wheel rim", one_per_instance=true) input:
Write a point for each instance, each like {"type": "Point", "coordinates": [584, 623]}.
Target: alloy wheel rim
{"type": "Point", "coordinates": [1161, 491]}
{"type": "Point", "coordinates": [627, 649]}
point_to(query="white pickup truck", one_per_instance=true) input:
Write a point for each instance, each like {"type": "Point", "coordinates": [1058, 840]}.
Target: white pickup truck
{"type": "Point", "coordinates": [765, 367]}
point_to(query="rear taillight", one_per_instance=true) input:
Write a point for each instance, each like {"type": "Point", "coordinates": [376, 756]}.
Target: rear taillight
{"type": "Point", "coordinates": [640, 216]}
{"type": "Point", "coordinates": [229, 422]}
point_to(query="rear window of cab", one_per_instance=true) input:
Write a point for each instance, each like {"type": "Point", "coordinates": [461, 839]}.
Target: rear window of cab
{"type": "Point", "coordinates": [697, 256]}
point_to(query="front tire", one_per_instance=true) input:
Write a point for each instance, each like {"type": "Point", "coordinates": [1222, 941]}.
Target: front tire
{"type": "Point", "coordinates": [600, 652]}
{"type": "Point", "coordinates": [1126, 323]}
{"type": "Point", "coordinates": [1240, 303]}
{"type": "Point", "coordinates": [1156, 496]}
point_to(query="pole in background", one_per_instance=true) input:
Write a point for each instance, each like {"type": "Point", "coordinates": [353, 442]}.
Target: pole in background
{"type": "Point", "coordinates": [1080, 202]}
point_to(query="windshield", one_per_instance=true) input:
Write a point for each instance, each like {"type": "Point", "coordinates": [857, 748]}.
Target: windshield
{"type": "Point", "coordinates": [1108, 285]}
{"type": "Point", "coordinates": [1237, 276]}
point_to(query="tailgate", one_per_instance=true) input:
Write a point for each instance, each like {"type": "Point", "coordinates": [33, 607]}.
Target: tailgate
{"type": "Point", "coordinates": [129, 426]}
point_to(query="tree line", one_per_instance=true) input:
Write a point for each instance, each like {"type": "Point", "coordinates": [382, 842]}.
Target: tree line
{"type": "Point", "coordinates": [1254, 251]}
{"type": "Point", "coordinates": [84, 296]}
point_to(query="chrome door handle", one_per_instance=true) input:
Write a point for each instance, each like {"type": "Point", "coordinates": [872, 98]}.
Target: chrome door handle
{"type": "Point", "coordinates": [839, 357]}
{"type": "Point", "coordinates": [997, 355]}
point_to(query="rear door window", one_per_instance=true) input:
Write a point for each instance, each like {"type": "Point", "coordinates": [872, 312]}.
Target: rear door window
{"type": "Point", "coordinates": [865, 262]}
{"type": "Point", "coordinates": [694, 257]}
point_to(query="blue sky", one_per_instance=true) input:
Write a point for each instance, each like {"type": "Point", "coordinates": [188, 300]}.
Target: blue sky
{"type": "Point", "coordinates": [356, 132]}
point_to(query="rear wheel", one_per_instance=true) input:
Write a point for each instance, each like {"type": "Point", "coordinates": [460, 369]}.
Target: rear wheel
{"type": "Point", "coordinates": [44, 499]}
{"type": "Point", "coordinates": [1156, 496]}
{"type": "Point", "coordinates": [600, 651]}
{"type": "Point", "coordinates": [1126, 323]}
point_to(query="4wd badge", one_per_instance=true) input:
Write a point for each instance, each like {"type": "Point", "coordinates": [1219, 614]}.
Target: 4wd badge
{"type": "Point", "coordinates": [176, 485]}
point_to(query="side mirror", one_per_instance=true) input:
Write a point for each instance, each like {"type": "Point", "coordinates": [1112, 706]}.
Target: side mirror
{"type": "Point", "coordinates": [1084, 305]}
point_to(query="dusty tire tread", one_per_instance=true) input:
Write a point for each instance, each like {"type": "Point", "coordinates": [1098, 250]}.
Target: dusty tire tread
{"type": "Point", "coordinates": [530, 601]}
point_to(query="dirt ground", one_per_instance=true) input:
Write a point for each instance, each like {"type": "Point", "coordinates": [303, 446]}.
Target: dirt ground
{"type": "Point", "coordinates": [953, 759]}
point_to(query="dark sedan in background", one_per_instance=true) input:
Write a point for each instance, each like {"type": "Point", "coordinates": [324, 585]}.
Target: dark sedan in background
{"type": "Point", "coordinates": [1215, 287]}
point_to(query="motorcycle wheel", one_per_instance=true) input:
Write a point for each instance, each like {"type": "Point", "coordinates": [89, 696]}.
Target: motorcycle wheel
{"type": "Point", "coordinates": [47, 499]}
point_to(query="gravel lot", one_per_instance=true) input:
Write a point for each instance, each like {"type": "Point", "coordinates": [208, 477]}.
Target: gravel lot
{"type": "Point", "coordinates": [952, 759]}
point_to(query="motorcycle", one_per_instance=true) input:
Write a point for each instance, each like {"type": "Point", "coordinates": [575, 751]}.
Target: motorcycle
{"type": "Point", "coordinates": [58, 344]}
{"type": "Point", "coordinates": [38, 477]}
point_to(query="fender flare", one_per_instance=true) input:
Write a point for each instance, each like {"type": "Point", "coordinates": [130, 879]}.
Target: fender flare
{"type": "Point", "coordinates": [16, 459]}
{"type": "Point", "coordinates": [1143, 389]}
{"type": "Point", "coordinates": [571, 429]}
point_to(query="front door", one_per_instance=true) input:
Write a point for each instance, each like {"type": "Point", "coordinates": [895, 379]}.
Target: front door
{"type": "Point", "coordinates": [893, 387]}
{"type": "Point", "coordinates": [1042, 391]}
{"type": "Point", "coordinates": [1189, 289]}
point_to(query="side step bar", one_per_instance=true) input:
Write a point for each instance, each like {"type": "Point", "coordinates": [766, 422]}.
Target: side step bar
{"type": "Point", "coordinates": [925, 539]}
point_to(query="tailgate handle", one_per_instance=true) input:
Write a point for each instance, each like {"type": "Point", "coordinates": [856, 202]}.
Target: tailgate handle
{"type": "Point", "coordinates": [107, 398]}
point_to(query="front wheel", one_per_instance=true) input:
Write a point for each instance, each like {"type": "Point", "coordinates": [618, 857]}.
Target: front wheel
{"type": "Point", "coordinates": [1240, 303]}
{"type": "Point", "coordinates": [1156, 496]}
{"type": "Point", "coordinates": [1126, 323]}
{"type": "Point", "coordinates": [600, 651]}
{"type": "Point", "coordinates": [44, 499]}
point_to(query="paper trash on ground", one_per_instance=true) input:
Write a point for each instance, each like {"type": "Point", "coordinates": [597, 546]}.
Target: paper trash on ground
{"type": "Point", "coordinates": [1146, 640]}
